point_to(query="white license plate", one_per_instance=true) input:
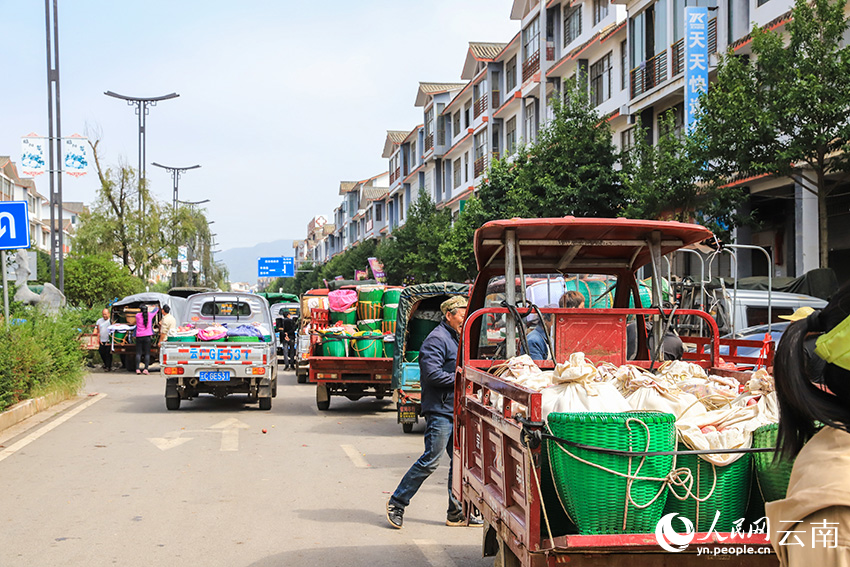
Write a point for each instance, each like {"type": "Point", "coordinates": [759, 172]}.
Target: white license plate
{"type": "Point", "coordinates": [214, 376]}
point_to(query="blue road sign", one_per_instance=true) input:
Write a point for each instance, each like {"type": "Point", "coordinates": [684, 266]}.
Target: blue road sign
{"type": "Point", "coordinates": [276, 267]}
{"type": "Point", "coordinates": [14, 225]}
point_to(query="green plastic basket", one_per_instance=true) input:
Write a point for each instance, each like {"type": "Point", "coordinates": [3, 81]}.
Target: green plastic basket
{"type": "Point", "coordinates": [119, 336]}
{"type": "Point", "coordinates": [348, 317]}
{"type": "Point", "coordinates": [369, 325]}
{"type": "Point", "coordinates": [189, 339]}
{"type": "Point", "coordinates": [368, 347]}
{"type": "Point", "coordinates": [369, 310]}
{"type": "Point", "coordinates": [391, 296]}
{"type": "Point", "coordinates": [411, 356]}
{"type": "Point", "coordinates": [730, 496]}
{"type": "Point", "coordinates": [243, 339]}
{"type": "Point", "coordinates": [371, 294]}
{"type": "Point", "coordinates": [334, 346]}
{"type": "Point", "coordinates": [390, 311]}
{"type": "Point", "coordinates": [595, 495]}
{"type": "Point", "coordinates": [772, 476]}
{"type": "Point", "coordinates": [419, 331]}
{"type": "Point", "coordinates": [389, 348]}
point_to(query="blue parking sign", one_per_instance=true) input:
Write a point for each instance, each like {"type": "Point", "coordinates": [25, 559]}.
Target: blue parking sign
{"type": "Point", "coordinates": [14, 225]}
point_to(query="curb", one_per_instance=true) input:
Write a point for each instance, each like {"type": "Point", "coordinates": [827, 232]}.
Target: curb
{"type": "Point", "coordinates": [28, 408]}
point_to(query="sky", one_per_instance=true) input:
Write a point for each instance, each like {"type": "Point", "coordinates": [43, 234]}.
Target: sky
{"type": "Point", "coordinates": [279, 100]}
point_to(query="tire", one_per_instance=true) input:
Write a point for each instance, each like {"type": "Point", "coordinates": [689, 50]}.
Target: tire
{"type": "Point", "coordinates": [301, 378]}
{"type": "Point", "coordinates": [172, 404]}
{"type": "Point", "coordinates": [274, 388]}
{"type": "Point", "coordinates": [265, 404]}
{"type": "Point", "coordinates": [323, 405]}
{"type": "Point", "coordinates": [407, 427]}
{"type": "Point", "coordinates": [379, 397]}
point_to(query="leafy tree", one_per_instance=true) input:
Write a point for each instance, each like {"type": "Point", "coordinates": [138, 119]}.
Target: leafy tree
{"type": "Point", "coordinates": [667, 181]}
{"type": "Point", "coordinates": [456, 251]}
{"type": "Point", "coordinates": [787, 109]}
{"type": "Point", "coordinates": [96, 280]}
{"type": "Point", "coordinates": [412, 253]}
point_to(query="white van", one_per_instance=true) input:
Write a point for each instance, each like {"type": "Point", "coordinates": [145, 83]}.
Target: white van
{"type": "Point", "coordinates": [748, 308]}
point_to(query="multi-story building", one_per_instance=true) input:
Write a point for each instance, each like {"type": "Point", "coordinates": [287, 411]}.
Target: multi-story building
{"type": "Point", "coordinates": [401, 148]}
{"type": "Point", "coordinates": [430, 175]}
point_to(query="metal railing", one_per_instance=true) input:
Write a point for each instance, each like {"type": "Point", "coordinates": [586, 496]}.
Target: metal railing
{"type": "Point", "coordinates": [394, 175]}
{"type": "Point", "coordinates": [429, 141]}
{"type": "Point", "coordinates": [480, 165]}
{"type": "Point", "coordinates": [530, 66]}
{"type": "Point", "coordinates": [649, 75]}
{"type": "Point", "coordinates": [677, 50]}
{"type": "Point", "coordinates": [480, 105]}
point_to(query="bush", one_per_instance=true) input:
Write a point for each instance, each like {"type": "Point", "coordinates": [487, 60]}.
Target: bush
{"type": "Point", "coordinates": [40, 354]}
{"type": "Point", "coordinates": [96, 280]}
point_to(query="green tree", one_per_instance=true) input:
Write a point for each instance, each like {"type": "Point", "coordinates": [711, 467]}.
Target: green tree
{"type": "Point", "coordinates": [456, 251]}
{"type": "Point", "coordinates": [789, 110]}
{"type": "Point", "coordinates": [412, 253]}
{"type": "Point", "coordinates": [96, 280]}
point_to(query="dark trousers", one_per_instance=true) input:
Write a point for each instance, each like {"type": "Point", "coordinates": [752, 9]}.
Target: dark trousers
{"type": "Point", "coordinates": [105, 351]}
{"type": "Point", "coordinates": [143, 346]}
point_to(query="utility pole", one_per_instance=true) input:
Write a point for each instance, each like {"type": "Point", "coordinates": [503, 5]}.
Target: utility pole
{"type": "Point", "coordinates": [189, 256]}
{"type": "Point", "coordinates": [175, 172]}
{"type": "Point", "coordinates": [54, 145]}
{"type": "Point", "coordinates": [142, 105]}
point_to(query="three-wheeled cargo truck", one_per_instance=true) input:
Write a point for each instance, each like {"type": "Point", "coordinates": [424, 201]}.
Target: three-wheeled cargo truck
{"type": "Point", "coordinates": [123, 344]}
{"type": "Point", "coordinates": [231, 365]}
{"type": "Point", "coordinates": [501, 467]}
{"type": "Point", "coordinates": [410, 331]}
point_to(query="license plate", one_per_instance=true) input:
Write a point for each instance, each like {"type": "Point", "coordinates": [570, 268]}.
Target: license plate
{"type": "Point", "coordinates": [214, 376]}
{"type": "Point", "coordinates": [407, 413]}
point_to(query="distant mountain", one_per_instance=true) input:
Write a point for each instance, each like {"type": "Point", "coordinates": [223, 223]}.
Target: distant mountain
{"type": "Point", "coordinates": [242, 262]}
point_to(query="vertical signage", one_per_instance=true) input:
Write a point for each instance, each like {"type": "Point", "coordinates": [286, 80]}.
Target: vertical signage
{"type": "Point", "coordinates": [32, 155]}
{"type": "Point", "coordinates": [696, 60]}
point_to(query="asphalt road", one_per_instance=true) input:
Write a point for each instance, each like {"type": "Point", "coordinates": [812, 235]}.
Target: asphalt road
{"type": "Point", "coordinates": [112, 478]}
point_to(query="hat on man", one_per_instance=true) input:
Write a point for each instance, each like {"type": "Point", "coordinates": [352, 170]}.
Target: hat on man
{"type": "Point", "coordinates": [800, 313]}
{"type": "Point", "coordinates": [456, 302]}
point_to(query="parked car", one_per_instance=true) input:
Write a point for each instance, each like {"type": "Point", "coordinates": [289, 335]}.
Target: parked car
{"type": "Point", "coordinates": [744, 308]}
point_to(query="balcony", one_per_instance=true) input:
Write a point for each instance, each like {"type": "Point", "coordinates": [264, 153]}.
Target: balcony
{"type": "Point", "coordinates": [480, 106]}
{"type": "Point", "coordinates": [678, 48]}
{"type": "Point", "coordinates": [649, 75]}
{"type": "Point", "coordinates": [394, 175]}
{"type": "Point", "coordinates": [530, 66]}
{"type": "Point", "coordinates": [550, 51]}
{"type": "Point", "coordinates": [429, 142]}
{"type": "Point", "coordinates": [480, 165]}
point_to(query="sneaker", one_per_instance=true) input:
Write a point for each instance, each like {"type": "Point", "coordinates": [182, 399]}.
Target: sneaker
{"type": "Point", "coordinates": [145, 371]}
{"type": "Point", "coordinates": [474, 521]}
{"type": "Point", "coordinates": [395, 515]}
{"type": "Point", "coordinates": [138, 371]}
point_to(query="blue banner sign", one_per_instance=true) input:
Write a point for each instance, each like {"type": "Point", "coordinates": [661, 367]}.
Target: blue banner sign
{"type": "Point", "coordinates": [276, 267]}
{"type": "Point", "coordinates": [14, 225]}
{"type": "Point", "coordinates": [696, 60]}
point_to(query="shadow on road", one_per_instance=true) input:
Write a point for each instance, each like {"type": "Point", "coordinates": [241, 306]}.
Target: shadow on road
{"type": "Point", "coordinates": [376, 556]}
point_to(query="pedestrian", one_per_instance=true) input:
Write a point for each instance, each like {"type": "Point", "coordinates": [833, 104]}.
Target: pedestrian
{"type": "Point", "coordinates": [105, 348]}
{"type": "Point", "coordinates": [166, 324]}
{"type": "Point", "coordinates": [144, 332]}
{"type": "Point", "coordinates": [437, 361]}
{"type": "Point", "coordinates": [287, 341]}
{"type": "Point", "coordinates": [813, 390]}
{"type": "Point", "coordinates": [538, 345]}
{"type": "Point", "coordinates": [571, 300]}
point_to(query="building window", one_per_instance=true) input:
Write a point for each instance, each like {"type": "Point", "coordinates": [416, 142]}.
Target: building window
{"type": "Point", "coordinates": [456, 123]}
{"type": "Point", "coordinates": [379, 212]}
{"type": "Point", "coordinates": [510, 74]}
{"type": "Point", "coordinates": [600, 80]}
{"type": "Point", "coordinates": [510, 136]}
{"type": "Point", "coordinates": [572, 24]}
{"type": "Point", "coordinates": [624, 64]}
{"type": "Point", "coordinates": [466, 166]}
{"type": "Point", "coordinates": [530, 123]}
{"type": "Point", "coordinates": [678, 121]}
{"type": "Point", "coordinates": [413, 159]}
{"type": "Point", "coordinates": [531, 39]}
{"type": "Point", "coordinates": [456, 173]}
{"type": "Point", "coordinates": [496, 92]}
{"type": "Point", "coordinates": [627, 140]}
{"type": "Point", "coordinates": [467, 114]}
{"type": "Point", "coordinates": [401, 206]}
{"type": "Point", "coordinates": [600, 10]}
{"type": "Point", "coordinates": [480, 153]}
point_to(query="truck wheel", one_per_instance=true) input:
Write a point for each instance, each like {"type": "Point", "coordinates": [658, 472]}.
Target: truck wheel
{"type": "Point", "coordinates": [323, 397]}
{"type": "Point", "coordinates": [265, 404]}
{"type": "Point", "coordinates": [172, 403]}
{"type": "Point", "coordinates": [274, 388]}
{"type": "Point", "coordinates": [301, 378]}
{"type": "Point", "coordinates": [407, 427]}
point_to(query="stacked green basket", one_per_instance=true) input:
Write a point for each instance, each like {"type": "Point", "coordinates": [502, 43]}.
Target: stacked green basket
{"type": "Point", "coordinates": [772, 476]}
{"type": "Point", "coordinates": [616, 504]}
{"type": "Point", "coordinates": [368, 345]}
{"type": "Point", "coordinates": [419, 331]}
{"type": "Point", "coordinates": [715, 488]}
{"type": "Point", "coordinates": [369, 302]}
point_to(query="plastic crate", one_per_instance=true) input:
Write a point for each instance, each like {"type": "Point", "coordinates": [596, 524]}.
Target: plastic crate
{"type": "Point", "coordinates": [319, 318]}
{"type": "Point", "coordinates": [410, 376]}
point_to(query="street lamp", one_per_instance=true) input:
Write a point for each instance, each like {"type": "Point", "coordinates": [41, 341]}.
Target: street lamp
{"type": "Point", "coordinates": [175, 172]}
{"type": "Point", "coordinates": [189, 275]}
{"type": "Point", "coordinates": [141, 104]}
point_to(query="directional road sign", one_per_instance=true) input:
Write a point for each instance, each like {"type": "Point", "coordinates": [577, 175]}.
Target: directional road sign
{"type": "Point", "coordinates": [276, 267]}
{"type": "Point", "coordinates": [14, 225]}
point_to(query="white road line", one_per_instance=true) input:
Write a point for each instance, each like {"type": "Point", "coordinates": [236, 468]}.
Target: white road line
{"type": "Point", "coordinates": [11, 450]}
{"type": "Point", "coordinates": [434, 553]}
{"type": "Point", "coordinates": [355, 457]}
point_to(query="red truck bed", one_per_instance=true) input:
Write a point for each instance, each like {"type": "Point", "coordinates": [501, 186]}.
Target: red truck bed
{"type": "Point", "coordinates": [351, 377]}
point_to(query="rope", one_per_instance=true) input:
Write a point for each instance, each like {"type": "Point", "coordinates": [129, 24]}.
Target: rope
{"type": "Point", "coordinates": [530, 471]}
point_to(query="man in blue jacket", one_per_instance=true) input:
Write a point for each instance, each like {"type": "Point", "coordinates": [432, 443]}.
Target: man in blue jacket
{"type": "Point", "coordinates": [437, 363]}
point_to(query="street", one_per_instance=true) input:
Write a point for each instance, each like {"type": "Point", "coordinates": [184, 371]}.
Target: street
{"type": "Point", "coordinates": [112, 478]}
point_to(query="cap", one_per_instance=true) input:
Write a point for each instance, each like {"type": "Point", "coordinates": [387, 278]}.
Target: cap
{"type": "Point", "coordinates": [455, 302]}
{"type": "Point", "coordinates": [800, 313]}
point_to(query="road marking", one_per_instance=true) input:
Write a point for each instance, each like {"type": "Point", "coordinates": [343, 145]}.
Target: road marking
{"type": "Point", "coordinates": [355, 457]}
{"type": "Point", "coordinates": [9, 451]}
{"type": "Point", "coordinates": [230, 433]}
{"type": "Point", "coordinates": [434, 553]}
{"type": "Point", "coordinates": [166, 443]}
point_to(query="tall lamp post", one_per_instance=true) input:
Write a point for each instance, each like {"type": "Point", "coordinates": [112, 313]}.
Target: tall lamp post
{"type": "Point", "coordinates": [175, 172]}
{"type": "Point", "coordinates": [142, 105]}
{"type": "Point", "coordinates": [189, 275]}
{"type": "Point", "coordinates": [54, 145]}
